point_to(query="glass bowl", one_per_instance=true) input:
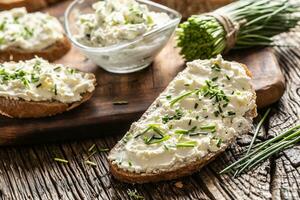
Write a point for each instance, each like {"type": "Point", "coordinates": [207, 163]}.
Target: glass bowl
{"type": "Point", "coordinates": [127, 56]}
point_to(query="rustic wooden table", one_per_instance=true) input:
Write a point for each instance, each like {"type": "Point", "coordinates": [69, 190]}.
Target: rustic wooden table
{"type": "Point", "coordinates": [29, 172]}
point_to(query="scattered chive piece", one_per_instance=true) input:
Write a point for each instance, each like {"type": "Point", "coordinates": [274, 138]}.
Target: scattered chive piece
{"type": "Point", "coordinates": [130, 163]}
{"type": "Point", "coordinates": [90, 163]}
{"type": "Point", "coordinates": [231, 113]}
{"type": "Point", "coordinates": [258, 129]}
{"type": "Point", "coordinates": [215, 78]}
{"type": "Point", "coordinates": [55, 89]}
{"type": "Point", "coordinates": [168, 97]}
{"type": "Point", "coordinates": [219, 142]}
{"type": "Point", "coordinates": [133, 194]}
{"type": "Point", "coordinates": [92, 147]}
{"type": "Point", "coordinates": [196, 105]}
{"type": "Point", "coordinates": [103, 150]}
{"type": "Point", "coordinates": [190, 122]}
{"type": "Point", "coordinates": [120, 102]}
{"type": "Point", "coordinates": [89, 156]}
{"type": "Point", "coordinates": [39, 85]}
{"type": "Point", "coordinates": [61, 160]}
{"type": "Point", "coordinates": [228, 78]}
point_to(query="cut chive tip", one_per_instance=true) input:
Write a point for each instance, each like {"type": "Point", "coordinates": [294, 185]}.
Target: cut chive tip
{"type": "Point", "coordinates": [61, 160]}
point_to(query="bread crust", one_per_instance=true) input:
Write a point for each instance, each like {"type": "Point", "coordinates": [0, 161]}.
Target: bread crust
{"type": "Point", "coordinates": [192, 167]}
{"type": "Point", "coordinates": [51, 53]}
{"type": "Point", "coordinates": [31, 5]}
{"type": "Point", "coordinates": [31, 109]}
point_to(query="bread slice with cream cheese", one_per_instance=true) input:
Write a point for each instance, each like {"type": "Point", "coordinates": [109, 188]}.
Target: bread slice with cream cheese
{"type": "Point", "coordinates": [196, 118]}
{"type": "Point", "coordinates": [26, 35]}
{"type": "Point", "coordinates": [36, 88]}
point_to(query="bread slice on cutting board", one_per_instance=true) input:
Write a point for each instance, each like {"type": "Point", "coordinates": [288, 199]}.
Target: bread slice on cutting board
{"type": "Point", "coordinates": [26, 35]}
{"type": "Point", "coordinates": [196, 118]}
{"type": "Point", "coordinates": [36, 88]}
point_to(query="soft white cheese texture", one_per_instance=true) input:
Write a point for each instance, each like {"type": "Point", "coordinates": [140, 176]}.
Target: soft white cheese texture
{"type": "Point", "coordinates": [28, 31]}
{"type": "Point", "coordinates": [115, 21]}
{"type": "Point", "coordinates": [38, 80]}
{"type": "Point", "coordinates": [202, 108]}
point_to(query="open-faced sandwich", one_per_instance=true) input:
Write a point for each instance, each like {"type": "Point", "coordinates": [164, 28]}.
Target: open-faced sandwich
{"type": "Point", "coordinates": [196, 118]}
{"type": "Point", "coordinates": [36, 88]}
{"type": "Point", "coordinates": [26, 35]}
{"type": "Point", "coordinates": [31, 5]}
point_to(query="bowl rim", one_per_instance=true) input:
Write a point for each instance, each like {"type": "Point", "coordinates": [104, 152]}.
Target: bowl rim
{"type": "Point", "coordinates": [172, 22]}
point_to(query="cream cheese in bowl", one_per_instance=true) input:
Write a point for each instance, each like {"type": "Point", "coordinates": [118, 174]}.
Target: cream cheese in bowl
{"type": "Point", "coordinates": [120, 35]}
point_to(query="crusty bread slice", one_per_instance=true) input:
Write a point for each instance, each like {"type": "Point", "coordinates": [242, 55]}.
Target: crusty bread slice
{"type": "Point", "coordinates": [188, 169]}
{"type": "Point", "coordinates": [51, 53]}
{"type": "Point", "coordinates": [30, 109]}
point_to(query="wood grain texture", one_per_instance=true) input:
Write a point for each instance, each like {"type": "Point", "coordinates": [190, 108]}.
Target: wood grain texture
{"type": "Point", "coordinates": [139, 89]}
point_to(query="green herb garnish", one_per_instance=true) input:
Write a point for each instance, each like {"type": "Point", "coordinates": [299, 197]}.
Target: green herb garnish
{"type": "Point", "coordinates": [258, 128]}
{"type": "Point", "coordinates": [61, 160]}
{"type": "Point", "coordinates": [90, 163]}
{"type": "Point", "coordinates": [231, 113]}
{"type": "Point", "coordinates": [120, 102]}
{"type": "Point", "coordinates": [186, 144]}
{"type": "Point", "coordinates": [133, 194]}
{"type": "Point", "coordinates": [177, 116]}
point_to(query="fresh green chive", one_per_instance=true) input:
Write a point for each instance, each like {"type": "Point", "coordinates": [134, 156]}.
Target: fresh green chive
{"type": "Point", "coordinates": [258, 129]}
{"type": "Point", "coordinates": [120, 102]}
{"type": "Point", "coordinates": [90, 163]}
{"type": "Point", "coordinates": [61, 160]}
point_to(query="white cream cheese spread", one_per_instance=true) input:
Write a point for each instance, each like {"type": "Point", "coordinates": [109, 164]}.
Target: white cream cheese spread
{"type": "Point", "coordinates": [28, 31]}
{"type": "Point", "coordinates": [200, 111]}
{"type": "Point", "coordinates": [38, 80]}
{"type": "Point", "coordinates": [115, 21]}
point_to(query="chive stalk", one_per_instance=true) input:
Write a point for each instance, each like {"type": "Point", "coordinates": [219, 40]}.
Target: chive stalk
{"type": "Point", "coordinates": [258, 129]}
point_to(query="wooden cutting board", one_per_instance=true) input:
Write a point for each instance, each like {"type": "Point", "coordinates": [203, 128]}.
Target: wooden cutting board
{"type": "Point", "coordinates": [139, 89]}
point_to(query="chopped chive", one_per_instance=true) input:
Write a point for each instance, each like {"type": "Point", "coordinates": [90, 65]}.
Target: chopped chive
{"type": "Point", "coordinates": [56, 68]}
{"type": "Point", "coordinates": [61, 160]}
{"type": "Point", "coordinates": [215, 78]}
{"type": "Point", "coordinates": [155, 141]}
{"type": "Point", "coordinates": [39, 85]}
{"type": "Point", "coordinates": [177, 99]}
{"type": "Point", "coordinates": [92, 147]}
{"type": "Point", "coordinates": [130, 163]}
{"type": "Point", "coordinates": [186, 144]}
{"type": "Point", "coordinates": [90, 163]}
{"type": "Point", "coordinates": [168, 97]}
{"type": "Point", "coordinates": [190, 122]}
{"type": "Point", "coordinates": [103, 149]}
{"type": "Point", "coordinates": [231, 113]}
{"type": "Point", "coordinates": [216, 113]}
{"type": "Point", "coordinates": [208, 127]}
{"type": "Point", "coordinates": [133, 194]}
{"type": "Point", "coordinates": [90, 155]}
{"type": "Point", "coordinates": [120, 102]}
{"type": "Point", "coordinates": [228, 78]}
{"type": "Point", "coordinates": [55, 89]}
{"type": "Point", "coordinates": [219, 142]}
{"type": "Point", "coordinates": [196, 105]}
